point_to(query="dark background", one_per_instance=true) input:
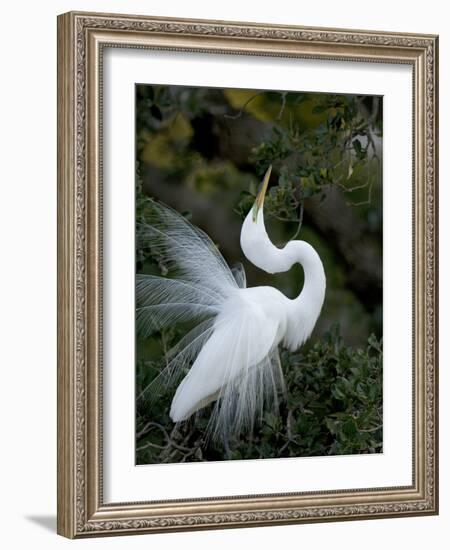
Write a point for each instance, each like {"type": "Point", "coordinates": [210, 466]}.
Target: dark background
{"type": "Point", "coordinates": [204, 151]}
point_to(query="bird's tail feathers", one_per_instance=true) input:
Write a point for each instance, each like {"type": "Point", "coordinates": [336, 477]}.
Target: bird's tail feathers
{"type": "Point", "coordinates": [178, 359]}
{"type": "Point", "coordinates": [186, 251]}
{"type": "Point", "coordinates": [162, 302]}
{"type": "Point", "coordinates": [244, 400]}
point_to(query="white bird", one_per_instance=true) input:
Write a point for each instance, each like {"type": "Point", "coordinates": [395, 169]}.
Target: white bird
{"type": "Point", "coordinates": [232, 352]}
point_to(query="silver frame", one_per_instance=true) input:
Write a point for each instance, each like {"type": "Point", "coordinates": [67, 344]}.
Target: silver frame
{"type": "Point", "coordinates": [81, 40]}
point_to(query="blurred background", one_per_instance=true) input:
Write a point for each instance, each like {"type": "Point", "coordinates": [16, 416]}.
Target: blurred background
{"type": "Point", "coordinates": [204, 151]}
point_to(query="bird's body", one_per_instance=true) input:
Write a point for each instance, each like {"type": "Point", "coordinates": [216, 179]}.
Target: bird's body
{"type": "Point", "coordinates": [249, 314]}
{"type": "Point", "coordinates": [233, 351]}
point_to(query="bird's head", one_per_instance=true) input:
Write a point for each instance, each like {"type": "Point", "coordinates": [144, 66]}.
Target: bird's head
{"type": "Point", "coordinates": [255, 243]}
{"type": "Point", "coordinates": [261, 252]}
{"type": "Point", "coordinates": [258, 205]}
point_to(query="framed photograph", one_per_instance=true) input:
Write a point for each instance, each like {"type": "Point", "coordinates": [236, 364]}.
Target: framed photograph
{"type": "Point", "coordinates": [247, 276]}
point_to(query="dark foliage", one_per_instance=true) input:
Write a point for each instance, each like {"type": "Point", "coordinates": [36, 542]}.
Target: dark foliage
{"type": "Point", "coordinates": [332, 406]}
{"type": "Point", "coordinates": [203, 151]}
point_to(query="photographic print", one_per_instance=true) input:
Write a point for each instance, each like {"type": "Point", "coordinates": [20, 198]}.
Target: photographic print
{"type": "Point", "coordinates": [259, 288]}
{"type": "Point", "coordinates": [247, 274]}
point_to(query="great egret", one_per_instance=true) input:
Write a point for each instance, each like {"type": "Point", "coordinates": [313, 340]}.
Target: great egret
{"type": "Point", "coordinates": [232, 351]}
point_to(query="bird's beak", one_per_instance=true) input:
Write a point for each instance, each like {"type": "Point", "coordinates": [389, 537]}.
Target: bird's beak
{"type": "Point", "coordinates": [259, 202]}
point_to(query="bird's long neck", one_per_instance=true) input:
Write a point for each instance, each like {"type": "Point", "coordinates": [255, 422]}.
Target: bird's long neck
{"type": "Point", "coordinates": [301, 312]}
{"type": "Point", "coordinates": [300, 252]}
{"type": "Point", "coordinates": [304, 310]}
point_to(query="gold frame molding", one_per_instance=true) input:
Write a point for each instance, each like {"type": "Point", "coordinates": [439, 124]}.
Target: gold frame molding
{"type": "Point", "coordinates": [81, 39]}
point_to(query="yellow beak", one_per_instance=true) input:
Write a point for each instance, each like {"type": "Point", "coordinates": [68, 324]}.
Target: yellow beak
{"type": "Point", "coordinates": [259, 202]}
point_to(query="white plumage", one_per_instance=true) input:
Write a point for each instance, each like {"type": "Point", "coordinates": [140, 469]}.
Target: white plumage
{"type": "Point", "coordinates": [233, 350]}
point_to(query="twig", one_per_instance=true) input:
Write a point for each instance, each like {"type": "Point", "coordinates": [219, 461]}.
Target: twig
{"type": "Point", "coordinates": [152, 445]}
{"type": "Point", "coordinates": [147, 428]}
{"type": "Point", "coordinates": [153, 424]}
{"type": "Point", "coordinates": [281, 219]}
{"type": "Point", "coordinates": [300, 221]}
{"type": "Point", "coordinates": [241, 110]}
{"type": "Point", "coordinates": [370, 430]}
{"type": "Point", "coordinates": [369, 197]}
{"type": "Point", "coordinates": [283, 105]}
{"type": "Point", "coordinates": [289, 438]}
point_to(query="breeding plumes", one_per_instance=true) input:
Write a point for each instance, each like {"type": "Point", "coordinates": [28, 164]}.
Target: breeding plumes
{"type": "Point", "coordinates": [231, 355]}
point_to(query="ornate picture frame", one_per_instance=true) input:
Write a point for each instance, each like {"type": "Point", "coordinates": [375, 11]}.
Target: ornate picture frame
{"type": "Point", "coordinates": [82, 39]}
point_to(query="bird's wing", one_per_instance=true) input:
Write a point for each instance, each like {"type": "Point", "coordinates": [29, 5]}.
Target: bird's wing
{"type": "Point", "coordinates": [238, 272]}
{"type": "Point", "coordinates": [178, 360]}
{"type": "Point", "coordinates": [200, 283]}
{"type": "Point", "coordinates": [186, 251]}
{"type": "Point", "coordinates": [238, 366]}
{"type": "Point", "coordinates": [162, 302]}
